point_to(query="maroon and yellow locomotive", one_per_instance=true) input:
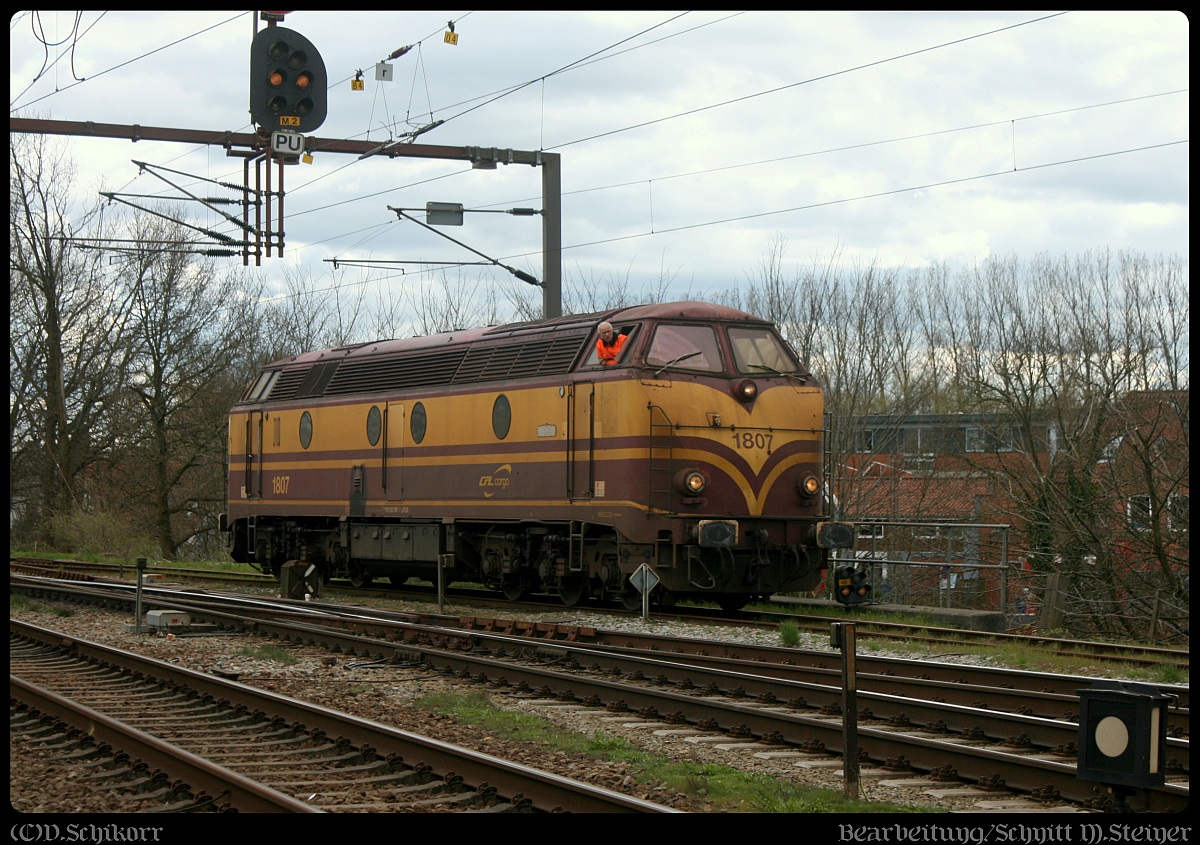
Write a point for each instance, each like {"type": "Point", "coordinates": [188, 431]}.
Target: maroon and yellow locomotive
{"type": "Point", "coordinates": [514, 457]}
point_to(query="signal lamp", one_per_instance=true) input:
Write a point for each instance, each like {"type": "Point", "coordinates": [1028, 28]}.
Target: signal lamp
{"type": "Point", "coordinates": [288, 83]}
{"type": "Point", "coordinates": [851, 586]}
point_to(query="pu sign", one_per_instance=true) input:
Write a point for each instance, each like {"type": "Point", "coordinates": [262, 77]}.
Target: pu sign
{"type": "Point", "coordinates": [287, 143]}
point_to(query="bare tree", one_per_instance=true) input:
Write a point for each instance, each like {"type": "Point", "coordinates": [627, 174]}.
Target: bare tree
{"type": "Point", "coordinates": [67, 350]}
{"type": "Point", "coordinates": [311, 314]}
{"type": "Point", "coordinates": [450, 304]}
{"type": "Point", "coordinates": [187, 324]}
{"type": "Point", "coordinates": [586, 295]}
{"type": "Point", "coordinates": [1087, 361]}
{"type": "Point", "coordinates": [1080, 368]}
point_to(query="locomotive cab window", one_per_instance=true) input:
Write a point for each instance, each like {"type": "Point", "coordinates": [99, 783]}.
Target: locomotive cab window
{"type": "Point", "coordinates": [685, 347]}
{"type": "Point", "coordinates": [262, 385]}
{"type": "Point", "coordinates": [759, 351]}
{"type": "Point", "coordinates": [623, 346]}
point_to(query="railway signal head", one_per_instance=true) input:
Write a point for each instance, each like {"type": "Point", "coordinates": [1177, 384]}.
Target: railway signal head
{"type": "Point", "coordinates": [288, 85]}
{"type": "Point", "coordinates": [851, 586]}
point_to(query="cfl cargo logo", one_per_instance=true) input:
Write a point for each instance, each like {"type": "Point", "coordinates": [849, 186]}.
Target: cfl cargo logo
{"type": "Point", "coordinates": [497, 482]}
{"type": "Point", "coordinates": [84, 833]}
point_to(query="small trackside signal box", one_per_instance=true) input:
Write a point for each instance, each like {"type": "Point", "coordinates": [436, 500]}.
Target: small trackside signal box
{"type": "Point", "coordinates": [299, 580]}
{"type": "Point", "coordinates": [1123, 734]}
{"type": "Point", "coordinates": [168, 619]}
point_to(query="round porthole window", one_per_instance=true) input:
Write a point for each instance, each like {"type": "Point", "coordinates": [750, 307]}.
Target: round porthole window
{"type": "Point", "coordinates": [501, 417]}
{"type": "Point", "coordinates": [374, 425]}
{"type": "Point", "coordinates": [306, 429]}
{"type": "Point", "coordinates": [417, 423]}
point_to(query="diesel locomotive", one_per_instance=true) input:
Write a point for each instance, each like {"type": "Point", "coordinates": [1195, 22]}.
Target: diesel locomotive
{"type": "Point", "coordinates": [516, 458]}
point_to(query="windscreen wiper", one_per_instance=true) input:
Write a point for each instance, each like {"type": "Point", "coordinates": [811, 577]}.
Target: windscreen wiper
{"type": "Point", "coordinates": [776, 372]}
{"type": "Point", "coordinates": [675, 361]}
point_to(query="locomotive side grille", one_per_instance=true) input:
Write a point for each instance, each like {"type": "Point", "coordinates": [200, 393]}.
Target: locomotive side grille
{"type": "Point", "coordinates": [287, 384]}
{"type": "Point", "coordinates": [551, 358]}
{"type": "Point", "coordinates": [535, 357]}
{"type": "Point", "coordinates": [422, 370]}
{"type": "Point", "coordinates": [544, 356]}
{"type": "Point", "coordinates": [368, 375]}
{"type": "Point", "coordinates": [318, 377]}
{"type": "Point", "coordinates": [488, 364]}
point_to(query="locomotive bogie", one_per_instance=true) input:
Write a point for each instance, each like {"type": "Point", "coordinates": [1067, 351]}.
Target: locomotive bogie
{"type": "Point", "coordinates": [563, 482]}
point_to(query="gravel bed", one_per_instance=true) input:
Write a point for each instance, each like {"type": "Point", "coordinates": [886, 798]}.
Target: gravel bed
{"type": "Point", "coordinates": [40, 784]}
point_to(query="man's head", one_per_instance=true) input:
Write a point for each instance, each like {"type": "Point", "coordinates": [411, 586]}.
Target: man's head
{"type": "Point", "coordinates": [606, 331]}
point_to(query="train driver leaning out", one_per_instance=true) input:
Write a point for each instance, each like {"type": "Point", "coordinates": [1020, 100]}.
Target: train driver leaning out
{"type": "Point", "coordinates": [608, 345]}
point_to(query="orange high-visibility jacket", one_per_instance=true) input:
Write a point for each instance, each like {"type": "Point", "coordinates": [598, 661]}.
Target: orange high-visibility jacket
{"type": "Point", "coordinates": [607, 352]}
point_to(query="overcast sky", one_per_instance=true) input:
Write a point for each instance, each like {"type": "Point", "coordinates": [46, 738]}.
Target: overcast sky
{"type": "Point", "coordinates": [689, 141]}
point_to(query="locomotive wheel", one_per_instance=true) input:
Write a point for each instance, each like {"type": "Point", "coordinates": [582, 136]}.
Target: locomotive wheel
{"type": "Point", "coordinates": [360, 579]}
{"type": "Point", "coordinates": [573, 590]}
{"type": "Point", "coordinates": [732, 603]}
{"type": "Point", "coordinates": [631, 599]}
{"type": "Point", "coordinates": [513, 589]}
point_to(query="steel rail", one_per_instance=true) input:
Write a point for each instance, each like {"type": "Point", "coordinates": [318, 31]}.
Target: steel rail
{"type": "Point", "coordinates": [546, 791]}
{"type": "Point", "coordinates": [1016, 765]}
{"type": "Point", "coordinates": [179, 764]}
{"type": "Point", "coordinates": [905, 632]}
{"type": "Point", "coordinates": [1032, 693]}
{"type": "Point", "coordinates": [758, 721]}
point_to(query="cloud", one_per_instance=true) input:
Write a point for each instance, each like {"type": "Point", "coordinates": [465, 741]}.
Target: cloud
{"type": "Point", "coordinates": [687, 141]}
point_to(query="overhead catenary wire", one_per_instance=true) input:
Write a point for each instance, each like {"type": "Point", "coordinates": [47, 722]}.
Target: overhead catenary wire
{"type": "Point", "coordinates": [523, 276]}
{"type": "Point", "coordinates": [729, 219]}
{"type": "Point", "coordinates": [13, 107]}
{"type": "Point", "coordinates": [778, 89]}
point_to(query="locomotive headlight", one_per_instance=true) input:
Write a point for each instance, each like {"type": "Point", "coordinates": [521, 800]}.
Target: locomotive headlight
{"type": "Point", "coordinates": [690, 482]}
{"type": "Point", "coordinates": [746, 390]}
{"type": "Point", "coordinates": [810, 485]}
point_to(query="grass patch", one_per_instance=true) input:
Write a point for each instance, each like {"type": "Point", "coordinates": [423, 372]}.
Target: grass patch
{"type": "Point", "coordinates": [789, 634]}
{"type": "Point", "coordinates": [1173, 675]}
{"type": "Point", "coordinates": [269, 653]}
{"type": "Point", "coordinates": [216, 566]}
{"type": "Point", "coordinates": [725, 789]}
{"type": "Point", "coordinates": [16, 601]}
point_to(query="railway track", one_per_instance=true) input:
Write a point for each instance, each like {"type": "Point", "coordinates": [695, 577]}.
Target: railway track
{"type": "Point", "coordinates": [994, 741]}
{"type": "Point", "coordinates": [910, 635]}
{"type": "Point", "coordinates": [1048, 695]}
{"type": "Point", "coordinates": [212, 743]}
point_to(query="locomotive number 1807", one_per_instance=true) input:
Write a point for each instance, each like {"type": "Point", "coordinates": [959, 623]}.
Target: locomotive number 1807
{"type": "Point", "coordinates": [752, 440]}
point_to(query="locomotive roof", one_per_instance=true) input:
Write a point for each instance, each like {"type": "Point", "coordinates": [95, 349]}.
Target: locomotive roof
{"type": "Point", "coordinates": [583, 323]}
